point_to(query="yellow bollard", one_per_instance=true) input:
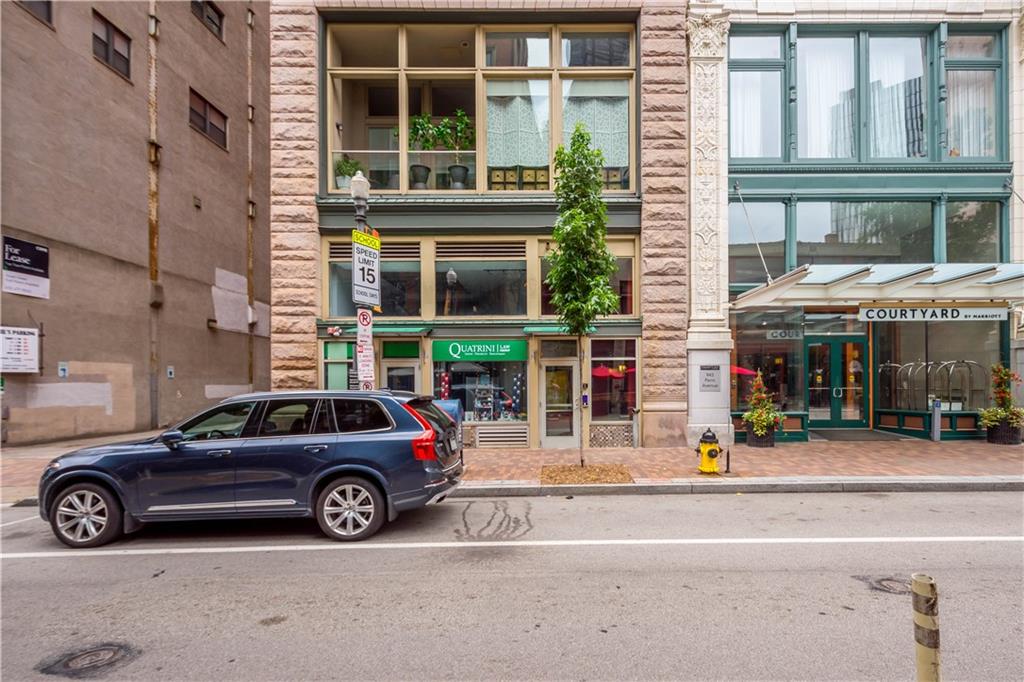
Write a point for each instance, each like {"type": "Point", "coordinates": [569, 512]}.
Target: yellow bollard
{"type": "Point", "coordinates": [926, 626]}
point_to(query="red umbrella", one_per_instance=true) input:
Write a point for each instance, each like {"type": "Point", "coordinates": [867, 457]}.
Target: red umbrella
{"type": "Point", "coordinates": [743, 370]}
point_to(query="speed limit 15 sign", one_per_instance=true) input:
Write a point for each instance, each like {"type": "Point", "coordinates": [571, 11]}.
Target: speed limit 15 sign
{"type": "Point", "coordinates": [365, 269]}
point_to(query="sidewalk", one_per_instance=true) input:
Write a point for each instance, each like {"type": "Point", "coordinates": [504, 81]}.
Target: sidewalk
{"type": "Point", "coordinates": [828, 465]}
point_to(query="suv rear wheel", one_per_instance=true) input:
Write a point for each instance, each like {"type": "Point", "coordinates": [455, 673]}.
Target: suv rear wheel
{"type": "Point", "coordinates": [350, 508]}
{"type": "Point", "coordinates": [85, 515]}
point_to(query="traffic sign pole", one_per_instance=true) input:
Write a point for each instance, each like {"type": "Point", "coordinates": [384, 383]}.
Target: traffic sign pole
{"type": "Point", "coordinates": [365, 284]}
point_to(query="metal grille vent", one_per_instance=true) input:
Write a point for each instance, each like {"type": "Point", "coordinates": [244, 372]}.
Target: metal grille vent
{"type": "Point", "coordinates": [485, 250]}
{"type": "Point", "coordinates": [343, 251]}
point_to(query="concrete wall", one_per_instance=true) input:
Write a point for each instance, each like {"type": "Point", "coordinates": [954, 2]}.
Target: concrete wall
{"type": "Point", "coordinates": [75, 178]}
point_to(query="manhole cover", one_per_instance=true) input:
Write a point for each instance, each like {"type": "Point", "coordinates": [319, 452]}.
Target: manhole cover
{"type": "Point", "coordinates": [889, 584]}
{"type": "Point", "coordinates": [87, 662]}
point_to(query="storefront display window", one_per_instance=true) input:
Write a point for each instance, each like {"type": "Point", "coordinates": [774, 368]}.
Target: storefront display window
{"type": "Point", "coordinates": [491, 287]}
{"type": "Point", "coordinates": [840, 232]}
{"type": "Point", "coordinates": [487, 376]}
{"type": "Point", "coordinates": [972, 232]}
{"type": "Point", "coordinates": [772, 342]}
{"type": "Point", "coordinates": [613, 379]}
{"type": "Point", "coordinates": [918, 362]}
{"type": "Point", "coordinates": [399, 290]}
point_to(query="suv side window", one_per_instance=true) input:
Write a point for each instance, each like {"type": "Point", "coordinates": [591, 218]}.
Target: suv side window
{"type": "Point", "coordinates": [288, 417]}
{"type": "Point", "coordinates": [324, 419]}
{"type": "Point", "coordinates": [360, 415]}
{"type": "Point", "coordinates": [226, 421]}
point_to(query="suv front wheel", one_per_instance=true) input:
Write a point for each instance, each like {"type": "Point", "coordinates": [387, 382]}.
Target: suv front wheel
{"type": "Point", "coordinates": [350, 509]}
{"type": "Point", "coordinates": [85, 515]}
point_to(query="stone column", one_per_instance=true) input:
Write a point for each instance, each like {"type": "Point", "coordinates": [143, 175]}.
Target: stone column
{"type": "Point", "coordinates": [664, 239]}
{"type": "Point", "coordinates": [708, 340]}
{"type": "Point", "coordinates": [294, 223]}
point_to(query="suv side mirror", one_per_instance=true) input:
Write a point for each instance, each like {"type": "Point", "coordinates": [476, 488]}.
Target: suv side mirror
{"type": "Point", "coordinates": [172, 438]}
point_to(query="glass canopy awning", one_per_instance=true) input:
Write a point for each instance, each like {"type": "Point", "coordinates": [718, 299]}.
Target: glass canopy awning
{"type": "Point", "coordinates": [824, 285]}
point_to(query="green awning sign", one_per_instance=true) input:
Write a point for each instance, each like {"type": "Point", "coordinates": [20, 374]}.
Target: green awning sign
{"type": "Point", "coordinates": [452, 350]}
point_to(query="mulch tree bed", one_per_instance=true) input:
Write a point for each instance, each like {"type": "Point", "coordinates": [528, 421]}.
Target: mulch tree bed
{"type": "Point", "coordinates": [592, 473]}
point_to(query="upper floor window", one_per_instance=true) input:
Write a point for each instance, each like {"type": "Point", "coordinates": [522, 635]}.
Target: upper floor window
{"type": "Point", "coordinates": [865, 95]}
{"type": "Point", "coordinates": [111, 46]}
{"type": "Point", "coordinates": [41, 9]}
{"type": "Point", "coordinates": [210, 15]}
{"type": "Point", "coordinates": [207, 119]}
{"type": "Point", "coordinates": [474, 108]}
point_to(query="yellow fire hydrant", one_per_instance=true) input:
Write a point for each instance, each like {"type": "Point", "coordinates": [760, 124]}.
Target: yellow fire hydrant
{"type": "Point", "coordinates": [709, 450]}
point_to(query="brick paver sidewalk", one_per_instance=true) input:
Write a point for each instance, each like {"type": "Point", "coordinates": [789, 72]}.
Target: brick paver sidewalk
{"type": "Point", "coordinates": [909, 457]}
{"type": "Point", "coordinates": [20, 466]}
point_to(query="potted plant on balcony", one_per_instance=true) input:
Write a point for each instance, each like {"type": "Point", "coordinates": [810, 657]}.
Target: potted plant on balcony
{"type": "Point", "coordinates": [1005, 420]}
{"type": "Point", "coordinates": [423, 135]}
{"type": "Point", "coordinates": [762, 419]}
{"type": "Point", "coordinates": [457, 135]}
{"type": "Point", "coordinates": [344, 169]}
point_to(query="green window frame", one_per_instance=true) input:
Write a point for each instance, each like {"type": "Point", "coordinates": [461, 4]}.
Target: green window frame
{"type": "Point", "coordinates": [940, 70]}
{"type": "Point", "coordinates": [939, 204]}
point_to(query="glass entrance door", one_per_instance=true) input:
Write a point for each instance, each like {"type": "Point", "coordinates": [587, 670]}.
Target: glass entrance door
{"type": "Point", "coordinates": [836, 388]}
{"type": "Point", "coordinates": [401, 375]}
{"type": "Point", "coordinates": [560, 427]}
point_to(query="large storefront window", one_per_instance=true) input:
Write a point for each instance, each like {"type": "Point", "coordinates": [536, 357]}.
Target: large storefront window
{"type": "Point", "coordinates": [472, 288]}
{"type": "Point", "coordinates": [399, 290]}
{"type": "Point", "coordinates": [839, 232]}
{"type": "Point", "coordinates": [767, 227]}
{"type": "Point", "coordinates": [613, 379]}
{"type": "Point", "coordinates": [487, 376]}
{"type": "Point", "coordinates": [972, 232]}
{"type": "Point", "coordinates": [771, 342]}
{"type": "Point", "coordinates": [918, 362]}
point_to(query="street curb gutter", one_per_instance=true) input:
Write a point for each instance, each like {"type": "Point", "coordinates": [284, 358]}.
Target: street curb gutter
{"type": "Point", "coordinates": [833, 484]}
{"type": "Point", "coordinates": [836, 485]}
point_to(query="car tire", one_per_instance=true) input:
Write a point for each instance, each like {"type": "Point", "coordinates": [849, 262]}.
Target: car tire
{"type": "Point", "coordinates": [86, 515]}
{"type": "Point", "coordinates": [350, 509]}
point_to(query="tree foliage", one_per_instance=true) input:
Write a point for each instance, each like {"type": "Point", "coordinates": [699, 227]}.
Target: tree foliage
{"type": "Point", "coordinates": [580, 265]}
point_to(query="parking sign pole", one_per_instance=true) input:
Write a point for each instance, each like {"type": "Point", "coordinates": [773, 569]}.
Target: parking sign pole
{"type": "Point", "coordinates": [365, 279]}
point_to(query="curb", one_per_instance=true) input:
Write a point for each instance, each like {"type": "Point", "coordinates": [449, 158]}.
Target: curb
{"type": "Point", "coordinates": [832, 484]}
{"type": "Point", "coordinates": [825, 485]}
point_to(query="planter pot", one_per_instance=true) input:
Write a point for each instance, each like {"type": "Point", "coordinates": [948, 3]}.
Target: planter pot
{"type": "Point", "coordinates": [342, 181]}
{"type": "Point", "coordinates": [420, 175]}
{"type": "Point", "coordinates": [756, 441]}
{"type": "Point", "coordinates": [1004, 434]}
{"type": "Point", "coordinates": [459, 175]}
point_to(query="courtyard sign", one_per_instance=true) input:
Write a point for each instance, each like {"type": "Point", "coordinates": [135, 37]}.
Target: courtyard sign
{"type": "Point", "coordinates": [478, 350]}
{"type": "Point", "coordinates": [933, 314]}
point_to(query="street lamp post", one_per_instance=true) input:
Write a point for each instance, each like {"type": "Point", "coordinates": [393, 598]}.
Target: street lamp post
{"type": "Point", "coordinates": [451, 278]}
{"type": "Point", "coordinates": [360, 189]}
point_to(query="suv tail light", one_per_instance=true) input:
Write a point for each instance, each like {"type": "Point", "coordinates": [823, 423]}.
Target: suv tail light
{"type": "Point", "coordinates": [423, 444]}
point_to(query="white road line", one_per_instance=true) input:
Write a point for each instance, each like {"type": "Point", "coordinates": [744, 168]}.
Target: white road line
{"type": "Point", "coordinates": [11, 523]}
{"type": "Point", "coordinates": [513, 544]}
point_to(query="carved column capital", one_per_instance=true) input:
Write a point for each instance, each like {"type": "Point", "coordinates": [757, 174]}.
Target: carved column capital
{"type": "Point", "coordinates": [709, 34]}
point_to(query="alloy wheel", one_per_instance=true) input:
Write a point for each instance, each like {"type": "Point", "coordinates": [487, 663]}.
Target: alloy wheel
{"type": "Point", "coordinates": [81, 516]}
{"type": "Point", "coordinates": [348, 509]}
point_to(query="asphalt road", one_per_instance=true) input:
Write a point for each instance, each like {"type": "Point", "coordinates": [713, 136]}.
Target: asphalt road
{"type": "Point", "coordinates": [775, 586]}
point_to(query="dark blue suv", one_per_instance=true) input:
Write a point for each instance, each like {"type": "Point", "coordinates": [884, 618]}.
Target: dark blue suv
{"type": "Point", "coordinates": [352, 459]}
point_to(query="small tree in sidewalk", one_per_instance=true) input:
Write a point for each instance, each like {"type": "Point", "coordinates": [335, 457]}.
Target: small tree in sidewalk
{"type": "Point", "coordinates": [581, 265]}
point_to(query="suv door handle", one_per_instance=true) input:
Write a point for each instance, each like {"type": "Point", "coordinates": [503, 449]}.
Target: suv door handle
{"type": "Point", "coordinates": [218, 453]}
{"type": "Point", "coordinates": [315, 448]}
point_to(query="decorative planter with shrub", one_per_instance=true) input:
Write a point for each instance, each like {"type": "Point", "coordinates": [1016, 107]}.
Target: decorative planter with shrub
{"type": "Point", "coordinates": [457, 135]}
{"type": "Point", "coordinates": [422, 136]}
{"type": "Point", "coordinates": [1004, 421]}
{"type": "Point", "coordinates": [344, 170]}
{"type": "Point", "coordinates": [762, 419]}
